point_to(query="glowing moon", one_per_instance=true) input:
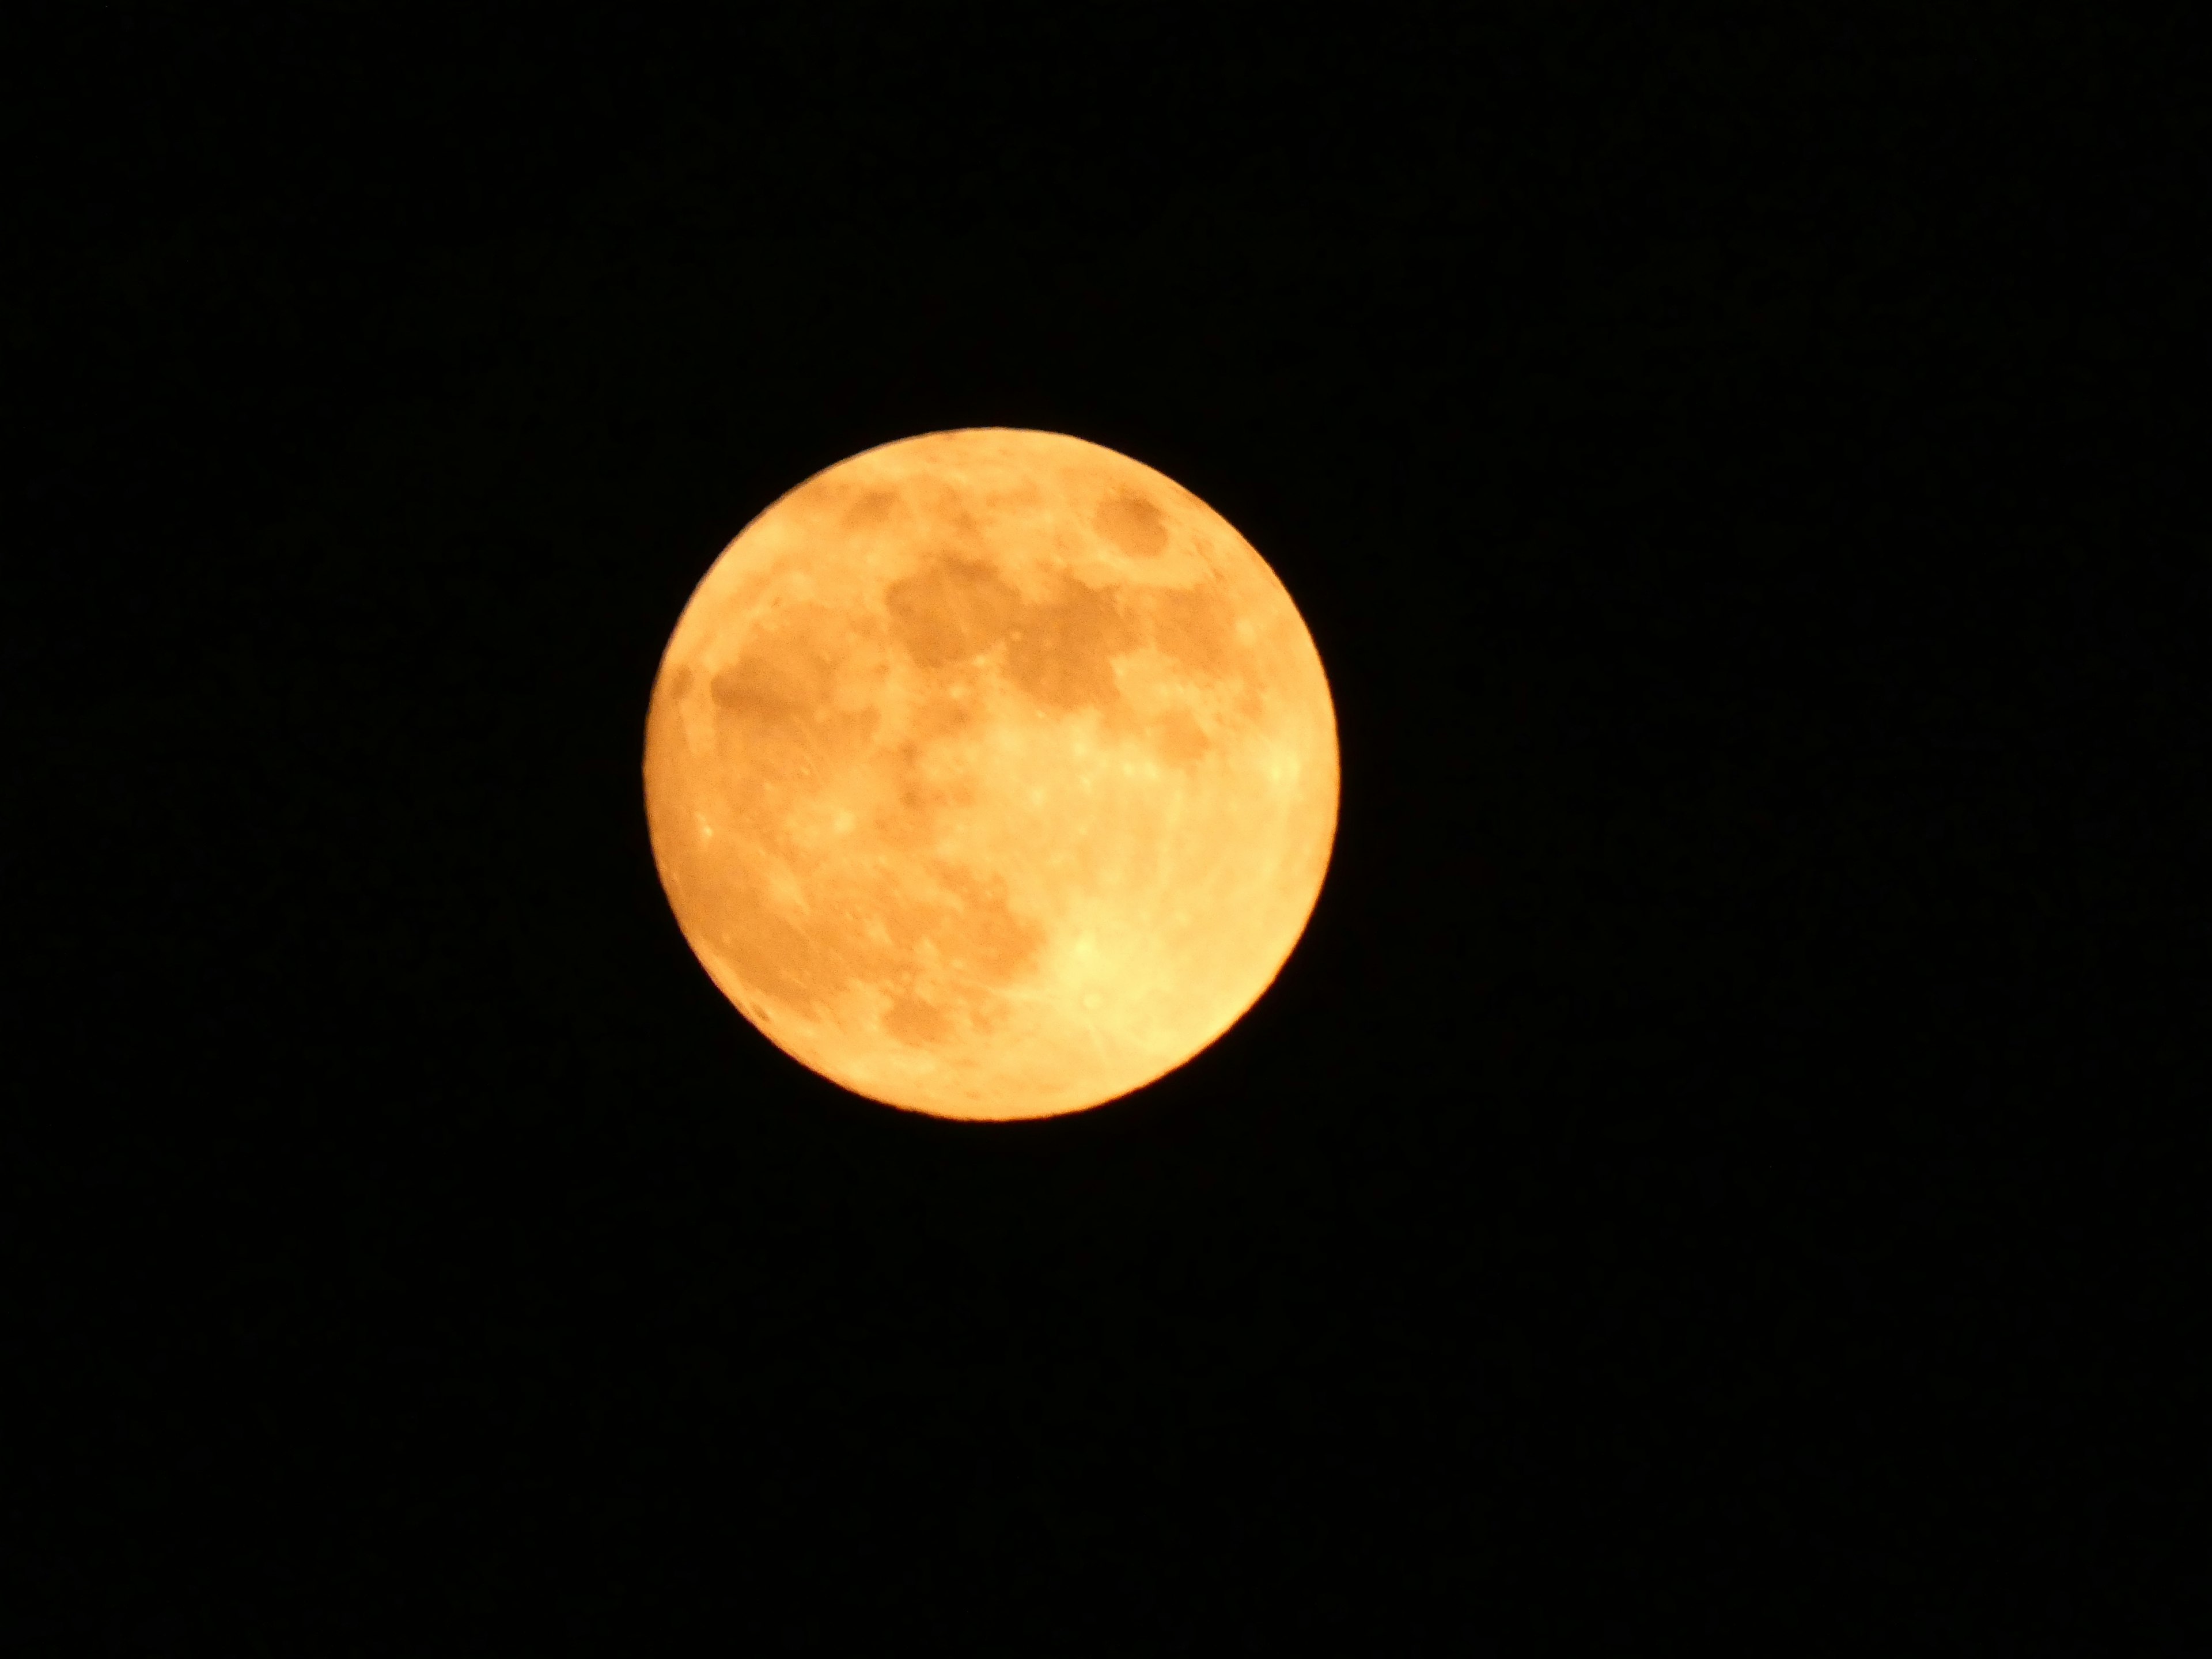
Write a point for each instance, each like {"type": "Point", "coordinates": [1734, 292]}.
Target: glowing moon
{"type": "Point", "coordinates": [991, 774]}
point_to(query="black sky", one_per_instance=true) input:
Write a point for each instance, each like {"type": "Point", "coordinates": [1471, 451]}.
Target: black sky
{"type": "Point", "coordinates": [1714, 1170]}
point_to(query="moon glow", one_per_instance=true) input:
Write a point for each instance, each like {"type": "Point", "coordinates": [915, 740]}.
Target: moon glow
{"type": "Point", "coordinates": [991, 774]}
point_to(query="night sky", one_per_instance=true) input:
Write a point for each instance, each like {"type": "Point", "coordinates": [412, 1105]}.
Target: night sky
{"type": "Point", "coordinates": [1715, 1169]}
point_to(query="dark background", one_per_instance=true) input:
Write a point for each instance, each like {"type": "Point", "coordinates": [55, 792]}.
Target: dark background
{"type": "Point", "coordinates": [1715, 1168]}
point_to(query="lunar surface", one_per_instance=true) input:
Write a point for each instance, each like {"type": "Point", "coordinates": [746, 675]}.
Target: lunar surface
{"type": "Point", "coordinates": [991, 774]}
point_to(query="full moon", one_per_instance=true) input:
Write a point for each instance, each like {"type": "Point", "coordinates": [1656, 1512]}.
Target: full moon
{"type": "Point", "coordinates": [991, 774]}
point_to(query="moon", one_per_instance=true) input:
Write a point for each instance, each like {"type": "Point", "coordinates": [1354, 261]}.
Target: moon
{"type": "Point", "coordinates": [991, 774]}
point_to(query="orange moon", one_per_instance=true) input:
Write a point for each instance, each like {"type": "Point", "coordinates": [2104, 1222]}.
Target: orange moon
{"type": "Point", "coordinates": [991, 774]}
